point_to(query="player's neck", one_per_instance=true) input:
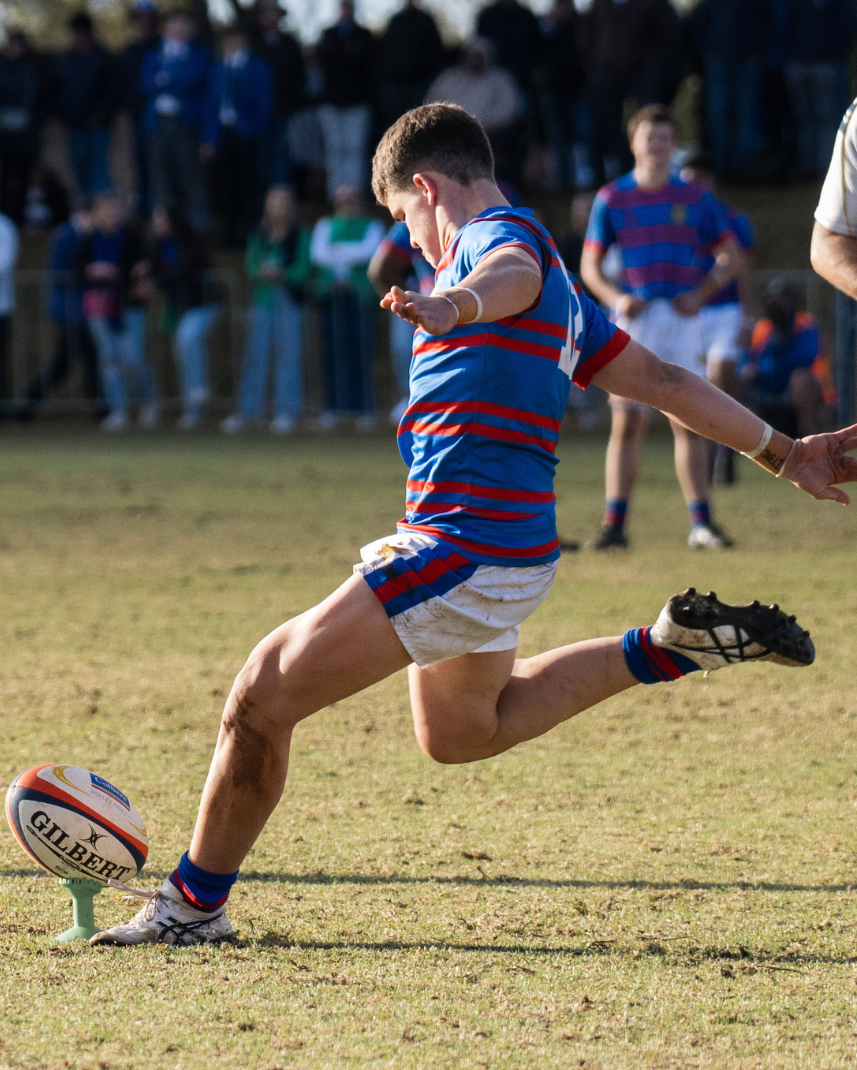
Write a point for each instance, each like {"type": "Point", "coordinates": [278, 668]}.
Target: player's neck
{"type": "Point", "coordinates": [463, 203]}
{"type": "Point", "coordinates": [651, 175]}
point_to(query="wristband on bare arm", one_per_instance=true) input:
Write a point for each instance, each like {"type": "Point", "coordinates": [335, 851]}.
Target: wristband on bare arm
{"type": "Point", "coordinates": [467, 303]}
{"type": "Point", "coordinates": [772, 451]}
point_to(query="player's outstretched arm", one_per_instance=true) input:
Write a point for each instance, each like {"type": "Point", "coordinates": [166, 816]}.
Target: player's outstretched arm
{"type": "Point", "coordinates": [502, 284]}
{"type": "Point", "coordinates": [815, 464]}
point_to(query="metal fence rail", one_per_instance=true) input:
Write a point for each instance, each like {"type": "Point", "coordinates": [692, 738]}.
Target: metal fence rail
{"type": "Point", "coordinates": [33, 340]}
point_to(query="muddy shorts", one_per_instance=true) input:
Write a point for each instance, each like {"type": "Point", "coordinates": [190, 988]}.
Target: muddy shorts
{"type": "Point", "coordinates": [443, 605]}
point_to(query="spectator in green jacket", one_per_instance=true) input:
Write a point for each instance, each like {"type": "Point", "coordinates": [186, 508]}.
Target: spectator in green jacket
{"type": "Point", "coordinates": [342, 246]}
{"type": "Point", "coordinates": [278, 267]}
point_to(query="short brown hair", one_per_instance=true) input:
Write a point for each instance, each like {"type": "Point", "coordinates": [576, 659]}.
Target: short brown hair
{"type": "Point", "coordinates": [652, 113]}
{"type": "Point", "coordinates": [434, 137]}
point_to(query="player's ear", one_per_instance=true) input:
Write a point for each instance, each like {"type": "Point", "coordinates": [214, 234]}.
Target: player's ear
{"type": "Point", "coordinates": [427, 187]}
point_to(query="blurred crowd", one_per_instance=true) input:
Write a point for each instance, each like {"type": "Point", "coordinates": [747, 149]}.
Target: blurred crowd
{"type": "Point", "coordinates": [235, 142]}
{"type": "Point", "coordinates": [216, 122]}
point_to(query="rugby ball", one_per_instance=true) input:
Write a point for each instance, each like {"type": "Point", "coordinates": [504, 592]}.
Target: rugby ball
{"type": "Point", "coordinates": [75, 824]}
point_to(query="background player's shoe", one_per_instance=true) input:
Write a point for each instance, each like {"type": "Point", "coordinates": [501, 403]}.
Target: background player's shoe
{"type": "Point", "coordinates": [609, 537]}
{"type": "Point", "coordinates": [714, 634]}
{"type": "Point", "coordinates": [708, 537]}
{"type": "Point", "coordinates": [166, 919]}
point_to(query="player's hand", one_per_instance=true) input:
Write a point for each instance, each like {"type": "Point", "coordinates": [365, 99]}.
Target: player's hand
{"type": "Point", "coordinates": [689, 303]}
{"type": "Point", "coordinates": [629, 306]}
{"type": "Point", "coordinates": [817, 463]}
{"type": "Point", "coordinates": [436, 315]}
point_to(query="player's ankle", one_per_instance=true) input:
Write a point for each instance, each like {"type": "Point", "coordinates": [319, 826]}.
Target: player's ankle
{"type": "Point", "coordinates": [700, 513]}
{"type": "Point", "coordinates": [200, 888]}
{"type": "Point", "coordinates": [615, 511]}
{"type": "Point", "coordinates": [652, 664]}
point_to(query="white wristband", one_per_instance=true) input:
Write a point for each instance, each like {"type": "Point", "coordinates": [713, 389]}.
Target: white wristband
{"type": "Point", "coordinates": [477, 299]}
{"type": "Point", "coordinates": [763, 442]}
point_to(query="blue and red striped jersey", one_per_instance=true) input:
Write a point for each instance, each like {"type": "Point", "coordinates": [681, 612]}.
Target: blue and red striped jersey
{"type": "Point", "coordinates": [663, 233]}
{"type": "Point", "coordinates": [742, 231]}
{"type": "Point", "coordinates": [397, 241]}
{"type": "Point", "coordinates": [486, 400]}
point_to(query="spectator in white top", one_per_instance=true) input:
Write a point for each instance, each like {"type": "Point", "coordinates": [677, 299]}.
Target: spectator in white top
{"type": "Point", "coordinates": [834, 252]}
{"type": "Point", "coordinates": [341, 248]}
{"type": "Point", "coordinates": [480, 87]}
{"type": "Point", "coordinates": [8, 257]}
{"type": "Point", "coordinates": [488, 92]}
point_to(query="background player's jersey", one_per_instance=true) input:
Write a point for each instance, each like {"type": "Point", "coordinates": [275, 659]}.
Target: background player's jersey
{"type": "Point", "coordinates": [742, 230]}
{"type": "Point", "coordinates": [486, 401]}
{"type": "Point", "coordinates": [398, 242]}
{"type": "Point", "coordinates": [662, 233]}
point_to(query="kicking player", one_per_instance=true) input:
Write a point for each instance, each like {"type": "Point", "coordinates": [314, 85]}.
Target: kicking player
{"type": "Point", "coordinates": [498, 344]}
{"type": "Point", "coordinates": [663, 227]}
{"type": "Point", "coordinates": [726, 322]}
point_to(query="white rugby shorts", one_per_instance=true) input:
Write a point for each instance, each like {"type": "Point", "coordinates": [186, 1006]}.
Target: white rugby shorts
{"type": "Point", "coordinates": [674, 338]}
{"type": "Point", "coordinates": [443, 605]}
{"type": "Point", "coordinates": [721, 329]}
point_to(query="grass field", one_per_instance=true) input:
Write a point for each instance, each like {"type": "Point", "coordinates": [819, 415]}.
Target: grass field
{"type": "Point", "coordinates": [666, 881]}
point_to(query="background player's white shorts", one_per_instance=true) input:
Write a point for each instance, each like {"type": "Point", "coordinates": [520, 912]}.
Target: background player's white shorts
{"type": "Point", "coordinates": [674, 338]}
{"type": "Point", "coordinates": [443, 605]}
{"type": "Point", "coordinates": [721, 329]}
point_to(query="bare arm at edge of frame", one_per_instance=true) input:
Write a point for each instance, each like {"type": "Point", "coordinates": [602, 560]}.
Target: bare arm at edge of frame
{"type": "Point", "coordinates": [834, 257]}
{"type": "Point", "coordinates": [815, 464]}
{"type": "Point", "coordinates": [507, 281]}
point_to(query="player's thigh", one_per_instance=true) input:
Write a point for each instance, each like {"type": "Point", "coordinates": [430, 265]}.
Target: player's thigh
{"type": "Point", "coordinates": [337, 648]}
{"type": "Point", "coordinates": [629, 419]}
{"type": "Point", "coordinates": [454, 702]}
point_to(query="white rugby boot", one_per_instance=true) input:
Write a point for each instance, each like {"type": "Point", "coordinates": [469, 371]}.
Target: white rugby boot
{"type": "Point", "coordinates": [165, 919]}
{"type": "Point", "coordinates": [708, 537]}
{"type": "Point", "coordinates": [714, 634]}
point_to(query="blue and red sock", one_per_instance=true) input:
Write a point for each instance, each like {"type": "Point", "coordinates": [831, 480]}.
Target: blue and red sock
{"type": "Point", "coordinates": [700, 512]}
{"type": "Point", "coordinates": [199, 888]}
{"type": "Point", "coordinates": [615, 511]}
{"type": "Point", "coordinates": [652, 664]}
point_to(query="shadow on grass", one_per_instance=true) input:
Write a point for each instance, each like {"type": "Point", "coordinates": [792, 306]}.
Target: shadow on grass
{"type": "Point", "coordinates": [322, 878]}
{"type": "Point", "coordinates": [687, 884]}
{"type": "Point", "coordinates": [739, 958]}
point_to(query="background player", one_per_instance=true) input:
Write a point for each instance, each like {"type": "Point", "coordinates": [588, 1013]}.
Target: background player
{"type": "Point", "coordinates": [726, 321]}
{"type": "Point", "coordinates": [397, 263]}
{"type": "Point", "coordinates": [663, 227]}
{"type": "Point", "coordinates": [498, 345]}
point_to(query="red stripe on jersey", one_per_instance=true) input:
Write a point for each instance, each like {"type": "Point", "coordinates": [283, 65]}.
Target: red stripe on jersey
{"type": "Point", "coordinates": [501, 434]}
{"type": "Point", "coordinates": [526, 323]}
{"type": "Point", "coordinates": [420, 486]}
{"type": "Point", "coordinates": [639, 198]}
{"type": "Point", "coordinates": [486, 408]}
{"type": "Point", "coordinates": [489, 338]}
{"type": "Point", "coordinates": [471, 510]}
{"type": "Point", "coordinates": [484, 548]}
{"type": "Point", "coordinates": [400, 254]}
{"type": "Point", "coordinates": [658, 234]}
{"type": "Point", "coordinates": [583, 373]}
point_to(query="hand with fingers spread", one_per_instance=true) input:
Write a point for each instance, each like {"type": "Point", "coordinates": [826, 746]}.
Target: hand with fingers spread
{"type": "Point", "coordinates": [817, 463]}
{"type": "Point", "coordinates": [437, 315]}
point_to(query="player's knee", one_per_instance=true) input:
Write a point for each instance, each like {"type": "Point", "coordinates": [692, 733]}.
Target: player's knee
{"type": "Point", "coordinates": [258, 699]}
{"type": "Point", "coordinates": [449, 750]}
{"type": "Point", "coordinates": [445, 753]}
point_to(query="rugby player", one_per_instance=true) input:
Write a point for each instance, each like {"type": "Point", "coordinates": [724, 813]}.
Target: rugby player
{"type": "Point", "coordinates": [663, 226]}
{"type": "Point", "coordinates": [726, 321]}
{"type": "Point", "coordinates": [497, 345]}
